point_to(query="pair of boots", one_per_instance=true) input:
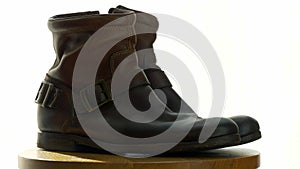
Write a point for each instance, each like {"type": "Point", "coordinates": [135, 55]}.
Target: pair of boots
{"type": "Point", "coordinates": [76, 99]}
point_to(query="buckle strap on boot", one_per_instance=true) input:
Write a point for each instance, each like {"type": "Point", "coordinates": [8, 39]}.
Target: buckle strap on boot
{"type": "Point", "coordinates": [101, 92]}
{"type": "Point", "coordinates": [158, 78]}
{"type": "Point", "coordinates": [47, 95]}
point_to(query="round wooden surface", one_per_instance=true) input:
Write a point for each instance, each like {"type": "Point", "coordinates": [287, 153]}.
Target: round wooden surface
{"type": "Point", "coordinates": [216, 159]}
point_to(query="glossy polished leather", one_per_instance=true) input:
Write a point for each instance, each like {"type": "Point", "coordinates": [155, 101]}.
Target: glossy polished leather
{"type": "Point", "coordinates": [60, 123]}
{"type": "Point", "coordinates": [249, 129]}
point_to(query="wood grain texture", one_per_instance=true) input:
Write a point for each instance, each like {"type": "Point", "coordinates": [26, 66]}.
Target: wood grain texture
{"type": "Point", "coordinates": [216, 159]}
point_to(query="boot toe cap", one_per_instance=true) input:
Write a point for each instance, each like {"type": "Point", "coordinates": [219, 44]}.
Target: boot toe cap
{"type": "Point", "coordinates": [225, 126]}
{"type": "Point", "coordinates": [246, 124]}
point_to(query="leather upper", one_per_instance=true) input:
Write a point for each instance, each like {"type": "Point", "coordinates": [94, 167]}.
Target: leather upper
{"type": "Point", "coordinates": [70, 33]}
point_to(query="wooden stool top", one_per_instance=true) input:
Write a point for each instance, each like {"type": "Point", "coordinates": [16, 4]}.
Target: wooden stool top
{"type": "Point", "coordinates": [216, 159]}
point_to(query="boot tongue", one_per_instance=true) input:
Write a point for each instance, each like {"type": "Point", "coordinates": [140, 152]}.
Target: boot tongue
{"type": "Point", "coordinates": [146, 24]}
{"type": "Point", "coordinates": [145, 21]}
{"type": "Point", "coordinates": [117, 10]}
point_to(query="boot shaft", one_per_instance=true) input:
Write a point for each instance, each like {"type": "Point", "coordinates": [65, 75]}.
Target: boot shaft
{"type": "Point", "coordinates": [72, 31]}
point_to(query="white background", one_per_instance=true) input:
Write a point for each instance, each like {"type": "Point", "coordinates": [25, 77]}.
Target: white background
{"type": "Point", "coordinates": [258, 43]}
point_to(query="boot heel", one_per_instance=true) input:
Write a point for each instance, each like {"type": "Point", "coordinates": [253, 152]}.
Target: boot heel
{"type": "Point", "coordinates": [56, 142]}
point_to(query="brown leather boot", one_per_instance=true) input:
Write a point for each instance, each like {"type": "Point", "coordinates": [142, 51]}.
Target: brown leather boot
{"type": "Point", "coordinates": [248, 126]}
{"type": "Point", "coordinates": [66, 127]}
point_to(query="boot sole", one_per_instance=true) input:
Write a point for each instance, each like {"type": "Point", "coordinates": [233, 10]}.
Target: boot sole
{"type": "Point", "coordinates": [75, 143]}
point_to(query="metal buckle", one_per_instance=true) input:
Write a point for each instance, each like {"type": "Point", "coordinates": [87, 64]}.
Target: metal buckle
{"type": "Point", "coordinates": [47, 95]}
{"type": "Point", "coordinates": [100, 91]}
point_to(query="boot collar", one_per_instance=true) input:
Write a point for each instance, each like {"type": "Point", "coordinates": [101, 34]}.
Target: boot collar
{"type": "Point", "coordinates": [87, 21]}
